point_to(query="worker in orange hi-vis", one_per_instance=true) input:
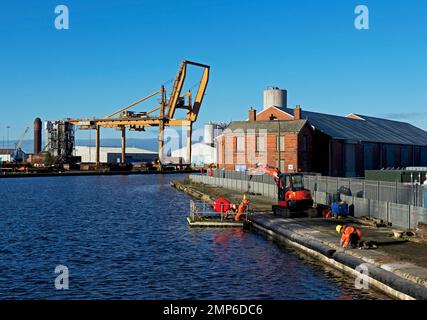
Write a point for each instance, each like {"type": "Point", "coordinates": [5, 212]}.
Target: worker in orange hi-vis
{"type": "Point", "coordinates": [349, 236]}
{"type": "Point", "coordinates": [243, 206]}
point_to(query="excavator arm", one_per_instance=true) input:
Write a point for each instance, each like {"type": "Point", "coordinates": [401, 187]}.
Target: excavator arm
{"type": "Point", "coordinates": [265, 169]}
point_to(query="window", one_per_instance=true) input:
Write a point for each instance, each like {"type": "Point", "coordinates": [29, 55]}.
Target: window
{"type": "Point", "coordinates": [240, 144]}
{"type": "Point", "coordinates": [281, 165]}
{"type": "Point", "coordinates": [281, 144]}
{"type": "Point", "coordinates": [260, 143]}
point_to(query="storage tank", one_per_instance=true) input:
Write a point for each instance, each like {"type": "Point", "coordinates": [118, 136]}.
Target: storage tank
{"type": "Point", "coordinates": [209, 133]}
{"type": "Point", "coordinates": [37, 135]}
{"type": "Point", "coordinates": [273, 96]}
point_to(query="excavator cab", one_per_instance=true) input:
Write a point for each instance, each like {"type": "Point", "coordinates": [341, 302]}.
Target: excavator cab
{"type": "Point", "coordinates": [291, 192]}
{"type": "Point", "coordinates": [293, 181]}
{"type": "Point", "coordinates": [289, 182]}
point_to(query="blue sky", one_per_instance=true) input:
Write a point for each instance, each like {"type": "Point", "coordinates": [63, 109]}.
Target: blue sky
{"type": "Point", "coordinates": [118, 51]}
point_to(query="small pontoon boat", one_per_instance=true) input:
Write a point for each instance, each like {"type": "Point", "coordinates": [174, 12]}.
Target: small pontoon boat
{"type": "Point", "coordinates": [216, 214]}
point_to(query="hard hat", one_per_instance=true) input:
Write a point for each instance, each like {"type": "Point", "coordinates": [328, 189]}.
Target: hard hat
{"type": "Point", "coordinates": [338, 228]}
{"type": "Point", "coordinates": [245, 197]}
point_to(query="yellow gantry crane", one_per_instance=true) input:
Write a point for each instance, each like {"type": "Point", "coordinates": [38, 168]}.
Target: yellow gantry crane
{"type": "Point", "coordinates": [124, 119]}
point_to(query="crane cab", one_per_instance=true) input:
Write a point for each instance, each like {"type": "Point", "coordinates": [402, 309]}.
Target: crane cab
{"type": "Point", "coordinates": [291, 193]}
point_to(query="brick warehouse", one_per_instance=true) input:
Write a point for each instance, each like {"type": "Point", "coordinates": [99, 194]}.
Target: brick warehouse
{"type": "Point", "coordinates": [299, 140]}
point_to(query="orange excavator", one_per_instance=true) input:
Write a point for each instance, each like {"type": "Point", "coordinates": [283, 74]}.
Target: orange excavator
{"type": "Point", "coordinates": [292, 196]}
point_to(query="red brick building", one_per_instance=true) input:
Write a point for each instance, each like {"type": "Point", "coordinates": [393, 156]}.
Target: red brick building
{"type": "Point", "coordinates": [273, 137]}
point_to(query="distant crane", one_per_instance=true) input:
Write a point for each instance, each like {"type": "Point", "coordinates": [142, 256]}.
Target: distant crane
{"type": "Point", "coordinates": [17, 154]}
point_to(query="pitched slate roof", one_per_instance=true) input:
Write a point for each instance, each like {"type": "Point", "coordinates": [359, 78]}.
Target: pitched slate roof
{"type": "Point", "coordinates": [270, 126]}
{"type": "Point", "coordinates": [370, 129]}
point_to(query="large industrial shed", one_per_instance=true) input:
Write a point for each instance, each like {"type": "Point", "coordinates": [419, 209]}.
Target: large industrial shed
{"type": "Point", "coordinates": [346, 146]}
{"type": "Point", "coordinates": [113, 154]}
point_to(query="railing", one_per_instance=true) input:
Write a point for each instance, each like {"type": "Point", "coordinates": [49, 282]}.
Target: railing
{"type": "Point", "coordinates": [200, 209]}
{"type": "Point", "coordinates": [241, 184]}
{"type": "Point", "coordinates": [374, 190]}
{"type": "Point", "coordinates": [394, 192]}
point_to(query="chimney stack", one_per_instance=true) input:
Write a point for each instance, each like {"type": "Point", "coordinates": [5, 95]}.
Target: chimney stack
{"type": "Point", "coordinates": [252, 114]}
{"type": "Point", "coordinates": [37, 135]}
{"type": "Point", "coordinates": [297, 112]}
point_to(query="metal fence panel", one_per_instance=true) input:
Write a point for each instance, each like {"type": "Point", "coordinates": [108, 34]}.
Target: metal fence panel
{"type": "Point", "coordinates": [361, 207]}
{"type": "Point", "coordinates": [378, 209]}
{"type": "Point", "coordinates": [357, 188]}
{"type": "Point", "coordinates": [398, 215]}
{"type": "Point", "coordinates": [418, 214]}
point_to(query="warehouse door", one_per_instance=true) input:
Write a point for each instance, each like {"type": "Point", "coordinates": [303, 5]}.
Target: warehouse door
{"type": "Point", "coordinates": [350, 160]}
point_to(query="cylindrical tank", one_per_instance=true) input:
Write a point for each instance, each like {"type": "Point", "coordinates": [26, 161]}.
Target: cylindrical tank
{"type": "Point", "coordinates": [209, 133]}
{"type": "Point", "coordinates": [276, 97]}
{"type": "Point", "coordinates": [37, 135]}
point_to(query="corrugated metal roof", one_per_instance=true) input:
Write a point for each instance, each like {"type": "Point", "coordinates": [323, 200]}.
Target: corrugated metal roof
{"type": "Point", "coordinates": [370, 129]}
{"type": "Point", "coordinates": [271, 126]}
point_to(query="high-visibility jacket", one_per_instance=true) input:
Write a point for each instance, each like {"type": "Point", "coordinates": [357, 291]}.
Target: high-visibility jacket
{"type": "Point", "coordinates": [242, 209]}
{"type": "Point", "coordinates": [349, 235]}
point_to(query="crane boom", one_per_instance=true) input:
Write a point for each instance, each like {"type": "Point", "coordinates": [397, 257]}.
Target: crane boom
{"type": "Point", "coordinates": [19, 144]}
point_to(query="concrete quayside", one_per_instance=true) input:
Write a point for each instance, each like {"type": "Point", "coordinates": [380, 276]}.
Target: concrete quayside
{"type": "Point", "coordinates": [397, 267]}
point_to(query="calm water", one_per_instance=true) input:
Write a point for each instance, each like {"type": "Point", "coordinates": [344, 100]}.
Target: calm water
{"type": "Point", "coordinates": [126, 237]}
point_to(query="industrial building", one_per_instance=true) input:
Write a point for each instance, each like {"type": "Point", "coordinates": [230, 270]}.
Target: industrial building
{"type": "Point", "coordinates": [9, 154]}
{"type": "Point", "coordinates": [204, 152]}
{"type": "Point", "coordinates": [114, 154]}
{"type": "Point", "coordinates": [295, 139]}
{"type": "Point", "coordinates": [201, 154]}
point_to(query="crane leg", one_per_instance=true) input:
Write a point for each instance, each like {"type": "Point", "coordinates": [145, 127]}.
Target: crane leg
{"type": "Point", "coordinates": [98, 129]}
{"type": "Point", "coordinates": [161, 139]}
{"type": "Point", "coordinates": [123, 145]}
{"type": "Point", "coordinates": [189, 133]}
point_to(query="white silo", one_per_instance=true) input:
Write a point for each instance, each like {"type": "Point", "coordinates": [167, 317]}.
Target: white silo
{"type": "Point", "coordinates": [209, 134]}
{"type": "Point", "coordinates": [273, 96]}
